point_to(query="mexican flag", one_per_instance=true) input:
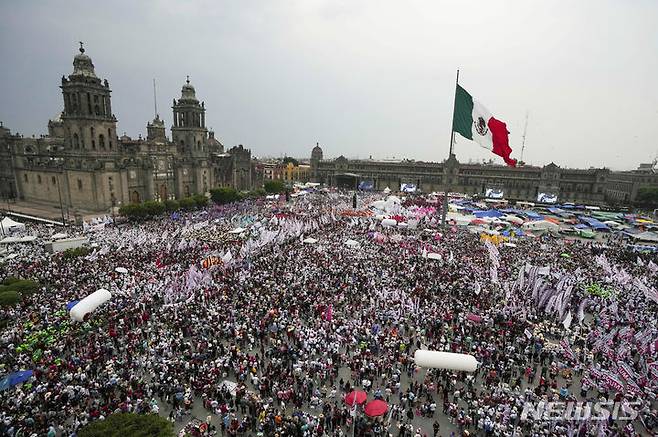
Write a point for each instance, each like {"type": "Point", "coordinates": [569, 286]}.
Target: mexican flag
{"type": "Point", "coordinates": [474, 122]}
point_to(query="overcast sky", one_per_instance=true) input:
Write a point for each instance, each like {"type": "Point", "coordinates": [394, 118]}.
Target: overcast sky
{"type": "Point", "coordinates": [361, 77]}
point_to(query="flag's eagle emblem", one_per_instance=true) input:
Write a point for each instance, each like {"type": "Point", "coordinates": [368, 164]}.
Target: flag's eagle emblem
{"type": "Point", "coordinates": [481, 126]}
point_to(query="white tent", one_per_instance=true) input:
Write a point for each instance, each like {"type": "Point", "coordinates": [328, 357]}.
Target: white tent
{"type": "Point", "coordinates": [310, 241]}
{"type": "Point", "coordinates": [352, 243]}
{"type": "Point", "coordinates": [541, 225]}
{"type": "Point", "coordinates": [9, 226]}
{"type": "Point", "coordinates": [59, 236]}
{"type": "Point", "coordinates": [237, 231]}
{"type": "Point", "coordinates": [513, 219]}
{"type": "Point", "coordinates": [434, 256]}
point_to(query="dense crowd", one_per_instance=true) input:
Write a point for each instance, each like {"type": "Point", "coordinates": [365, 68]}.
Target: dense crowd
{"type": "Point", "coordinates": [270, 342]}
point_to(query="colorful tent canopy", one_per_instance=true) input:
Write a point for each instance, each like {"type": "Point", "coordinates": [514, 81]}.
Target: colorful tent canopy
{"type": "Point", "coordinates": [593, 223]}
{"type": "Point", "coordinates": [493, 213]}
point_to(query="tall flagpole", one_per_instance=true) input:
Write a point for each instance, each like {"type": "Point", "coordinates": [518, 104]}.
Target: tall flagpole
{"type": "Point", "coordinates": [452, 141]}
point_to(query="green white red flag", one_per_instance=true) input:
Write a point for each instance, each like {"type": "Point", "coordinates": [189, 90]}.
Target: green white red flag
{"type": "Point", "coordinates": [474, 122]}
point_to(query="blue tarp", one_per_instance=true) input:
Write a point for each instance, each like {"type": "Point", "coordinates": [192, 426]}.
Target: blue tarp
{"type": "Point", "coordinates": [581, 226]}
{"type": "Point", "coordinates": [555, 210]}
{"type": "Point", "coordinates": [533, 215]}
{"type": "Point", "coordinates": [493, 213]}
{"type": "Point", "coordinates": [71, 304]}
{"type": "Point", "coordinates": [14, 379]}
{"type": "Point", "coordinates": [593, 223]}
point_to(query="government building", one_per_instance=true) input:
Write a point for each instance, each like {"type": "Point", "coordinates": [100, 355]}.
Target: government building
{"type": "Point", "coordinates": [525, 183]}
{"type": "Point", "coordinates": [85, 165]}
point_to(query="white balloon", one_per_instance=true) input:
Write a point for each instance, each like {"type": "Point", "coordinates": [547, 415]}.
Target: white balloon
{"type": "Point", "coordinates": [445, 360]}
{"type": "Point", "coordinates": [89, 304]}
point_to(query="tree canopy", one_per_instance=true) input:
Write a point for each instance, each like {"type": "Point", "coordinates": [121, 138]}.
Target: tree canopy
{"type": "Point", "coordinates": [128, 424]}
{"type": "Point", "coordinates": [647, 197]}
{"type": "Point", "coordinates": [274, 186]}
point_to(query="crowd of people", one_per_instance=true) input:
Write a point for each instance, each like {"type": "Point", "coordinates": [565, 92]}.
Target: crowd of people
{"type": "Point", "coordinates": [269, 341]}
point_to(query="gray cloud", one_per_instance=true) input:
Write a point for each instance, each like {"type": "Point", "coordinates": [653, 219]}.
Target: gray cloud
{"type": "Point", "coordinates": [362, 77]}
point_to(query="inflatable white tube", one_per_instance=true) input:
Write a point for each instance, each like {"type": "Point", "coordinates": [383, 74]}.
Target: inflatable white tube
{"type": "Point", "coordinates": [444, 360]}
{"type": "Point", "coordinates": [389, 222]}
{"type": "Point", "coordinates": [89, 304]}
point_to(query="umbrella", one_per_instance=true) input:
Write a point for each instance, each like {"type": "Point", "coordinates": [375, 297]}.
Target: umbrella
{"type": "Point", "coordinates": [358, 395]}
{"type": "Point", "coordinates": [14, 379]}
{"type": "Point", "coordinates": [121, 270]}
{"type": "Point", "coordinates": [376, 408]}
{"type": "Point", "coordinates": [71, 304]}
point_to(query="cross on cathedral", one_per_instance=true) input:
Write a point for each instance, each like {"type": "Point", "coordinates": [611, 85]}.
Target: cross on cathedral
{"type": "Point", "coordinates": [82, 49]}
{"type": "Point", "coordinates": [188, 78]}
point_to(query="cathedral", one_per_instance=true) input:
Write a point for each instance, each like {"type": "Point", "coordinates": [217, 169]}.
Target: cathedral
{"type": "Point", "coordinates": [85, 165]}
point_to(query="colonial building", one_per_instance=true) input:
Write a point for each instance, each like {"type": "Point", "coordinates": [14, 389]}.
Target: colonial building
{"type": "Point", "coordinates": [623, 186]}
{"type": "Point", "coordinates": [521, 183]}
{"type": "Point", "coordinates": [82, 161]}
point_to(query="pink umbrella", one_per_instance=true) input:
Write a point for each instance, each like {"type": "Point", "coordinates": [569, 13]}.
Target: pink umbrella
{"type": "Point", "coordinates": [376, 408]}
{"type": "Point", "coordinates": [356, 395]}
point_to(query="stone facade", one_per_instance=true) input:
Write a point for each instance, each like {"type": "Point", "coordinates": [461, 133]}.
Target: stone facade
{"type": "Point", "coordinates": [622, 187]}
{"type": "Point", "coordinates": [82, 162]}
{"type": "Point", "coordinates": [594, 186]}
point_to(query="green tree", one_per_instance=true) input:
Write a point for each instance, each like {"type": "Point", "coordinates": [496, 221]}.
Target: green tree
{"type": "Point", "coordinates": [274, 186]}
{"type": "Point", "coordinates": [223, 195]}
{"type": "Point", "coordinates": [129, 424]}
{"type": "Point", "coordinates": [171, 205]}
{"type": "Point", "coordinates": [153, 207]}
{"type": "Point", "coordinates": [187, 203]}
{"type": "Point", "coordinates": [647, 197]}
{"type": "Point", "coordinates": [288, 159]}
{"type": "Point", "coordinates": [10, 280]}
{"type": "Point", "coordinates": [200, 200]}
{"type": "Point", "coordinates": [9, 298]}
{"type": "Point", "coordinates": [133, 211]}
{"type": "Point", "coordinates": [24, 286]}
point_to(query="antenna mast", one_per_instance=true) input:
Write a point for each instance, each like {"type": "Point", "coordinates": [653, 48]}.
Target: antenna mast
{"type": "Point", "coordinates": [155, 100]}
{"type": "Point", "coordinates": [525, 129]}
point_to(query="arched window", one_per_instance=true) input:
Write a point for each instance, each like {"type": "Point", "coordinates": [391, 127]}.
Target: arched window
{"type": "Point", "coordinates": [93, 138]}
{"type": "Point", "coordinates": [79, 184]}
{"type": "Point", "coordinates": [39, 178]}
{"type": "Point", "coordinates": [97, 110]}
{"type": "Point", "coordinates": [198, 145]}
{"type": "Point", "coordinates": [76, 141]}
{"type": "Point", "coordinates": [25, 177]}
{"type": "Point", "coordinates": [53, 180]}
{"type": "Point", "coordinates": [101, 141]}
{"type": "Point", "coordinates": [109, 138]}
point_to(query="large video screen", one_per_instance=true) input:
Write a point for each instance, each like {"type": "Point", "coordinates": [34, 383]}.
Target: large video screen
{"type": "Point", "coordinates": [494, 193]}
{"type": "Point", "coordinates": [408, 188]}
{"type": "Point", "coordinates": [366, 185]}
{"type": "Point", "coordinates": [547, 198]}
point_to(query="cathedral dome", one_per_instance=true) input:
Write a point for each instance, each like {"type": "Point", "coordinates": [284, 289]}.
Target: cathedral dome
{"type": "Point", "coordinates": [82, 65]}
{"type": "Point", "coordinates": [188, 92]}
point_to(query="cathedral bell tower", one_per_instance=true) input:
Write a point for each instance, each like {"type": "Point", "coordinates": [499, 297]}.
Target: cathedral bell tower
{"type": "Point", "coordinates": [89, 126]}
{"type": "Point", "coordinates": [189, 130]}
